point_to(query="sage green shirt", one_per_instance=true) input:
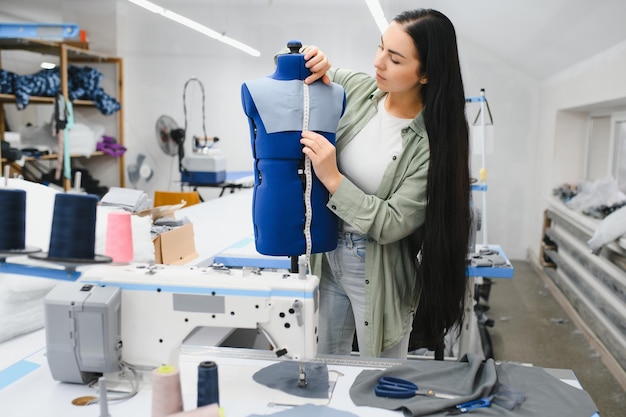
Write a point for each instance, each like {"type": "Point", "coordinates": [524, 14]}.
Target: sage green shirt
{"type": "Point", "coordinates": [392, 218]}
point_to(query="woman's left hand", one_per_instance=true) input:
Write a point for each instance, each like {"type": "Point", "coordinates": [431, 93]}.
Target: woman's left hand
{"type": "Point", "coordinates": [324, 159]}
{"type": "Point", "coordinates": [317, 63]}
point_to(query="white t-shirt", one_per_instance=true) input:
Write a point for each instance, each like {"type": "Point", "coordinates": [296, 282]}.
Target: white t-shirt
{"type": "Point", "coordinates": [364, 160]}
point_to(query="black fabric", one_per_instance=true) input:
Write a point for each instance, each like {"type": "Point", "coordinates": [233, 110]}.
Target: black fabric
{"type": "Point", "coordinates": [90, 184]}
{"type": "Point", "coordinates": [11, 154]}
{"type": "Point", "coordinates": [544, 395]}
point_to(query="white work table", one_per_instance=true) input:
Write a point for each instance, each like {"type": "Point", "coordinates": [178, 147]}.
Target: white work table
{"type": "Point", "coordinates": [224, 232]}
{"type": "Point", "coordinates": [28, 389]}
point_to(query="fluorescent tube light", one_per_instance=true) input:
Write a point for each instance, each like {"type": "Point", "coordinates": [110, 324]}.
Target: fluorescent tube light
{"type": "Point", "coordinates": [155, 8]}
{"type": "Point", "coordinates": [377, 13]}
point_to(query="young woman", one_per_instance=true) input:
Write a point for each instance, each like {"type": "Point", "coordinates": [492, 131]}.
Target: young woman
{"type": "Point", "coordinates": [399, 183]}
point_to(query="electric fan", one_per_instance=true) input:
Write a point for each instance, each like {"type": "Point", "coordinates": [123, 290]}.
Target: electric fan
{"type": "Point", "coordinates": [169, 135]}
{"type": "Point", "coordinates": [140, 171]}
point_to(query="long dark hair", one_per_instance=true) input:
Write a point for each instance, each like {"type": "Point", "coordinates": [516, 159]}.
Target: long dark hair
{"type": "Point", "coordinates": [447, 226]}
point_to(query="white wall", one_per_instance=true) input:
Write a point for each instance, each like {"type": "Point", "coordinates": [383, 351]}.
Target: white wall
{"type": "Point", "coordinates": [160, 56]}
{"type": "Point", "coordinates": [512, 97]}
{"type": "Point", "coordinates": [597, 83]}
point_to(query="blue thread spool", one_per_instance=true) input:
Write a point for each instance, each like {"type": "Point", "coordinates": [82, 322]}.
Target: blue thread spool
{"type": "Point", "coordinates": [208, 384]}
{"type": "Point", "coordinates": [73, 233]}
{"type": "Point", "coordinates": [13, 227]}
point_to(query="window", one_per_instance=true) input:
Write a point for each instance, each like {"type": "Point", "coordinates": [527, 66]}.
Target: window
{"type": "Point", "coordinates": [619, 160]}
{"type": "Point", "coordinates": [598, 148]}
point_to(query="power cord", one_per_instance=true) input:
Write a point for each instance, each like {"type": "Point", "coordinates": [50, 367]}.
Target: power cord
{"type": "Point", "coordinates": [133, 379]}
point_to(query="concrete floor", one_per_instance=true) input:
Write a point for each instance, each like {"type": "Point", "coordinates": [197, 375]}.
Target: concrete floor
{"type": "Point", "coordinates": [531, 327]}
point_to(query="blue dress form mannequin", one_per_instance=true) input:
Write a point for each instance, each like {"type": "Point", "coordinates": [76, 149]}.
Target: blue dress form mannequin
{"type": "Point", "coordinates": [275, 109]}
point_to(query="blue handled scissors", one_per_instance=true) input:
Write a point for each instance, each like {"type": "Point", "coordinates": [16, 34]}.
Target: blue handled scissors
{"type": "Point", "coordinates": [392, 387]}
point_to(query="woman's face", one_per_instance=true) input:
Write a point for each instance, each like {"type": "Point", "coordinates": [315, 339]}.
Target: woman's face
{"type": "Point", "coordinates": [396, 63]}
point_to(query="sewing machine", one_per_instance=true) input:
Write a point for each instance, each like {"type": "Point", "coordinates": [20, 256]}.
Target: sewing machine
{"type": "Point", "coordinates": [141, 314]}
{"type": "Point", "coordinates": [205, 166]}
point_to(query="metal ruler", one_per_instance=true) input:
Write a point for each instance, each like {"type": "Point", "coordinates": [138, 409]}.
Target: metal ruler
{"type": "Point", "coordinates": [258, 354]}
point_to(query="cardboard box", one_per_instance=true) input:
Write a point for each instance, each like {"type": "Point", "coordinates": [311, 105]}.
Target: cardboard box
{"type": "Point", "coordinates": [175, 247]}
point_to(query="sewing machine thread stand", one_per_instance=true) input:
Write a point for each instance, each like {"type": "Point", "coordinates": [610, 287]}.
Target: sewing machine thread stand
{"type": "Point", "coordinates": [302, 383]}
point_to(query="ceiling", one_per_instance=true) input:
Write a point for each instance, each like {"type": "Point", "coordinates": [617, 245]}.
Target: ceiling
{"type": "Point", "coordinates": [541, 37]}
{"type": "Point", "coordinates": [538, 36]}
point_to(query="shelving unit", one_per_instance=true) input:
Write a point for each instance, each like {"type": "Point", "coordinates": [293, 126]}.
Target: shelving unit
{"type": "Point", "coordinates": [593, 286]}
{"type": "Point", "coordinates": [74, 53]}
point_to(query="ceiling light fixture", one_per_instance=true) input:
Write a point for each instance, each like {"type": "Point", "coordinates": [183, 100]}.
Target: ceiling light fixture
{"type": "Point", "coordinates": [155, 8]}
{"type": "Point", "coordinates": [377, 13]}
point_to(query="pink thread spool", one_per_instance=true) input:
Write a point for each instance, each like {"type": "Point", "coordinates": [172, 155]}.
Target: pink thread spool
{"type": "Point", "coordinates": [167, 396]}
{"type": "Point", "coordinates": [211, 410]}
{"type": "Point", "coordinates": [119, 237]}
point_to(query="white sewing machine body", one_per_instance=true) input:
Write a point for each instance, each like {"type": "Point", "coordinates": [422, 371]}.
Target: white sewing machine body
{"type": "Point", "coordinates": [204, 166]}
{"type": "Point", "coordinates": [161, 305]}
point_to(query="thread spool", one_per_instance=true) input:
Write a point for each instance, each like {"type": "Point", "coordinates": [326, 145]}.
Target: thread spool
{"type": "Point", "coordinates": [167, 397]}
{"type": "Point", "coordinates": [73, 233]}
{"type": "Point", "coordinates": [208, 384]}
{"type": "Point", "coordinates": [103, 399]}
{"type": "Point", "coordinates": [482, 175]}
{"type": "Point", "coordinates": [212, 410]}
{"type": "Point", "coordinates": [13, 219]}
{"type": "Point", "coordinates": [119, 237]}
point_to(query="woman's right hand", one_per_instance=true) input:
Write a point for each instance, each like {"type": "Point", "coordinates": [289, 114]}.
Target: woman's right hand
{"type": "Point", "coordinates": [324, 159]}
{"type": "Point", "coordinates": [317, 63]}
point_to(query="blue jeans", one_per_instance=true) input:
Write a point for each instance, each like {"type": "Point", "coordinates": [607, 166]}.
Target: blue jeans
{"type": "Point", "coordinates": [342, 300]}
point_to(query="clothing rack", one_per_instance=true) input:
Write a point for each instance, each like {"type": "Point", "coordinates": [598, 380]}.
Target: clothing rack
{"type": "Point", "coordinates": [481, 185]}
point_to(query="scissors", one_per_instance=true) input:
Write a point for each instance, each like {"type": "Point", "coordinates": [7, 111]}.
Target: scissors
{"type": "Point", "coordinates": [392, 387]}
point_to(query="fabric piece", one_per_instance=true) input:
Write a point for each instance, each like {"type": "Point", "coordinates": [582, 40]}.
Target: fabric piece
{"type": "Point", "coordinates": [508, 397]}
{"type": "Point", "coordinates": [471, 378]}
{"type": "Point", "coordinates": [488, 260]}
{"type": "Point", "coordinates": [281, 106]}
{"type": "Point", "coordinates": [83, 83]}
{"type": "Point", "coordinates": [546, 395]}
{"type": "Point", "coordinates": [21, 304]}
{"type": "Point", "coordinates": [283, 376]}
{"type": "Point", "coordinates": [612, 227]}
{"type": "Point", "coordinates": [307, 410]}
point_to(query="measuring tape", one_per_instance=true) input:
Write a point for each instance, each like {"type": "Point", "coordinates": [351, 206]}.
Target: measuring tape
{"type": "Point", "coordinates": [308, 181]}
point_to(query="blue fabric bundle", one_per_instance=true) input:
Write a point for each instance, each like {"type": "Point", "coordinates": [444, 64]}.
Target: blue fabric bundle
{"type": "Point", "coordinates": [83, 84]}
{"type": "Point", "coordinates": [7, 79]}
{"type": "Point", "coordinates": [46, 83]}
